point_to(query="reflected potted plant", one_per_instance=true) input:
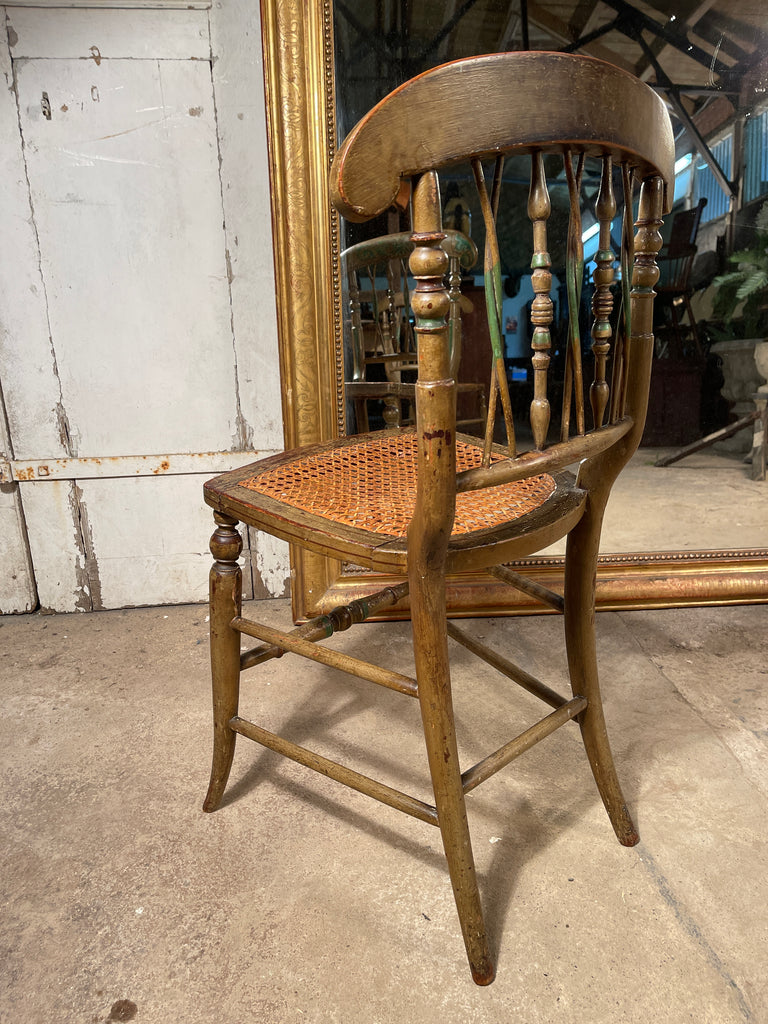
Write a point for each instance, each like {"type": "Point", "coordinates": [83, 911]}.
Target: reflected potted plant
{"type": "Point", "coordinates": [742, 294]}
{"type": "Point", "coordinates": [741, 305]}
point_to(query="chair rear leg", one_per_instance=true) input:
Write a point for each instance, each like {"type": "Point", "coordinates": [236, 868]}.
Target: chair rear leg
{"type": "Point", "coordinates": [433, 677]}
{"type": "Point", "coordinates": [579, 614]}
{"type": "Point", "coordinates": [225, 589]}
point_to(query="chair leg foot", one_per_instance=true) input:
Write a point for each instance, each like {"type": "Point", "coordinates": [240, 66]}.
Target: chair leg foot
{"type": "Point", "coordinates": [484, 977]}
{"type": "Point", "coordinates": [219, 777]}
{"type": "Point", "coordinates": [584, 681]}
{"type": "Point", "coordinates": [454, 830]}
{"type": "Point", "coordinates": [225, 603]}
{"type": "Point", "coordinates": [595, 739]}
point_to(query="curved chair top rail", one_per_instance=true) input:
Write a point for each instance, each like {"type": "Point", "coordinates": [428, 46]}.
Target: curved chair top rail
{"type": "Point", "coordinates": [531, 101]}
{"type": "Point", "coordinates": [400, 245]}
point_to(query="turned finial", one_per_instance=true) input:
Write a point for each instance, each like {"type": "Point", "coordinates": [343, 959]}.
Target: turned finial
{"type": "Point", "coordinates": [226, 542]}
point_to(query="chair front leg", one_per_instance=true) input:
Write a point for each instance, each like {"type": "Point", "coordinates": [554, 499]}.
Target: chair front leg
{"type": "Point", "coordinates": [430, 641]}
{"type": "Point", "coordinates": [225, 590]}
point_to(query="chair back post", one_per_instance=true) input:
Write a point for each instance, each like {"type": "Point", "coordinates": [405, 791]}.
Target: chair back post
{"type": "Point", "coordinates": [648, 242]}
{"type": "Point", "coordinates": [599, 472]}
{"type": "Point", "coordinates": [435, 389]}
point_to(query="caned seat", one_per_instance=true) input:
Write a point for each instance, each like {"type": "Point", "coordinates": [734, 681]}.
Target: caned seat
{"type": "Point", "coordinates": [424, 502]}
{"type": "Point", "coordinates": [355, 500]}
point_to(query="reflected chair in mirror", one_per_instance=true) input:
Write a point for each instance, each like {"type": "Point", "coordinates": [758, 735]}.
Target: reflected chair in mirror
{"type": "Point", "coordinates": [422, 502]}
{"type": "Point", "coordinates": [674, 288]}
{"type": "Point", "coordinates": [381, 325]}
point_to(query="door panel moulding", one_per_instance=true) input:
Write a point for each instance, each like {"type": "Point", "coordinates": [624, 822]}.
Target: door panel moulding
{"type": "Point", "coordinates": [115, 5]}
{"type": "Point", "coordinates": [113, 466]}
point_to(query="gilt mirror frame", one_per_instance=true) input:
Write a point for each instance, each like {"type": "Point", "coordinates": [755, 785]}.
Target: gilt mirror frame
{"type": "Point", "coordinates": [299, 82]}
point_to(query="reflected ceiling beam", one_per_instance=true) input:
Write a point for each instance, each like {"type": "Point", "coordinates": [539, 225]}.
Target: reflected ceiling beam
{"type": "Point", "coordinates": [730, 188]}
{"type": "Point", "coordinates": [445, 31]}
{"type": "Point", "coordinates": [672, 93]}
{"type": "Point", "coordinates": [688, 14]}
{"type": "Point", "coordinates": [559, 31]}
{"type": "Point", "coordinates": [445, 46]}
{"type": "Point", "coordinates": [509, 34]}
{"type": "Point", "coordinates": [751, 38]}
{"type": "Point", "coordinates": [366, 41]}
{"type": "Point", "coordinates": [705, 27]}
{"type": "Point", "coordinates": [524, 24]}
{"type": "Point", "coordinates": [580, 18]}
{"type": "Point", "coordinates": [633, 22]}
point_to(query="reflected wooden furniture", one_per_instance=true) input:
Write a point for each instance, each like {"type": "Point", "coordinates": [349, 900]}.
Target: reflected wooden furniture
{"type": "Point", "coordinates": [381, 324]}
{"type": "Point", "coordinates": [674, 285]}
{"type": "Point", "coordinates": [423, 502]}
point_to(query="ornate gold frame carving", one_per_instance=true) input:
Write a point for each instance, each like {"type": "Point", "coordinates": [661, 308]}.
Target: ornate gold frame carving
{"type": "Point", "coordinates": [298, 74]}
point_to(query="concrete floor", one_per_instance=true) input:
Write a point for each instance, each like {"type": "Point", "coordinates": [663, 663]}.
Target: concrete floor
{"type": "Point", "coordinates": [302, 901]}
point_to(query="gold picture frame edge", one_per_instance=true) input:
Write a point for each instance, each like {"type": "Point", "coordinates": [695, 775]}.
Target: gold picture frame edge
{"type": "Point", "coordinates": [630, 582]}
{"type": "Point", "coordinates": [297, 38]}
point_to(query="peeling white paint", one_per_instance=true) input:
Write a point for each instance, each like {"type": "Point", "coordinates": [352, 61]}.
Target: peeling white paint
{"type": "Point", "coordinates": [272, 564]}
{"type": "Point", "coordinates": [138, 336]}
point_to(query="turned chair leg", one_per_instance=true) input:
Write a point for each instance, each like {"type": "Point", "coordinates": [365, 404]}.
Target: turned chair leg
{"type": "Point", "coordinates": [433, 677]}
{"type": "Point", "coordinates": [580, 574]}
{"type": "Point", "coordinates": [226, 584]}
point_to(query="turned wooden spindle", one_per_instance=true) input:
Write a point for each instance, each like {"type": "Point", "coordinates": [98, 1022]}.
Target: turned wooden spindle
{"type": "Point", "coordinates": [454, 295]}
{"type": "Point", "coordinates": [624, 328]}
{"type": "Point", "coordinates": [645, 275]}
{"type": "Point", "coordinates": [356, 330]}
{"type": "Point", "coordinates": [602, 298]}
{"type": "Point", "coordinates": [648, 242]}
{"type": "Point", "coordinates": [573, 386]}
{"type": "Point", "coordinates": [383, 318]}
{"type": "Point", "coordinates": [539, 208]}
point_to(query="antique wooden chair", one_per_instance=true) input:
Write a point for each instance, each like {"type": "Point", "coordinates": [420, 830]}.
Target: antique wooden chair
{"type": "Point", "coordinates": [381, 323]}
{"type": "Point", "coordinates": [422, 502]}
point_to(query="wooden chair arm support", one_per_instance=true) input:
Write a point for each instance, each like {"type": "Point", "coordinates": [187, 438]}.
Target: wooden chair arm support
{"type": "Point", "coordinates": [555, 458]}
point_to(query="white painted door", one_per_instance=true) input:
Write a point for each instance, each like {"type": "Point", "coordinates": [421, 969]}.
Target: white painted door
{"type": "Point", "coordinates": [118, 349]}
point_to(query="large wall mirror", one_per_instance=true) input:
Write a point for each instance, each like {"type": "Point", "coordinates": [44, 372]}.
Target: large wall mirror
{"type": "Point", "coordinates": [692, 533]}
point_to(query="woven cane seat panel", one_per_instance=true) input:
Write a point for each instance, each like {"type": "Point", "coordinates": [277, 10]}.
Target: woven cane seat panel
{"type": "Point", "coordinates": [372, 486]}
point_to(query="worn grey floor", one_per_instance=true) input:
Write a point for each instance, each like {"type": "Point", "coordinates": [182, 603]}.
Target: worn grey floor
{"type": "Point", "coordinates": [300, 901]}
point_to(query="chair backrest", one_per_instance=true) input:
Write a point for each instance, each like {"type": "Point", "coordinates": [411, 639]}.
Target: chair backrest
{"type": "Point", "coordinates": [380, 286]}
{"type": "Point", "coordinates": [677, 256]}
{"type": "Point", "coordinates": [562, 110]}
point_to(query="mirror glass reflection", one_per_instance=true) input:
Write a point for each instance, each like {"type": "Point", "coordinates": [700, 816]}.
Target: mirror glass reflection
{"type": "Point", "coordinates": [708, 61]}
